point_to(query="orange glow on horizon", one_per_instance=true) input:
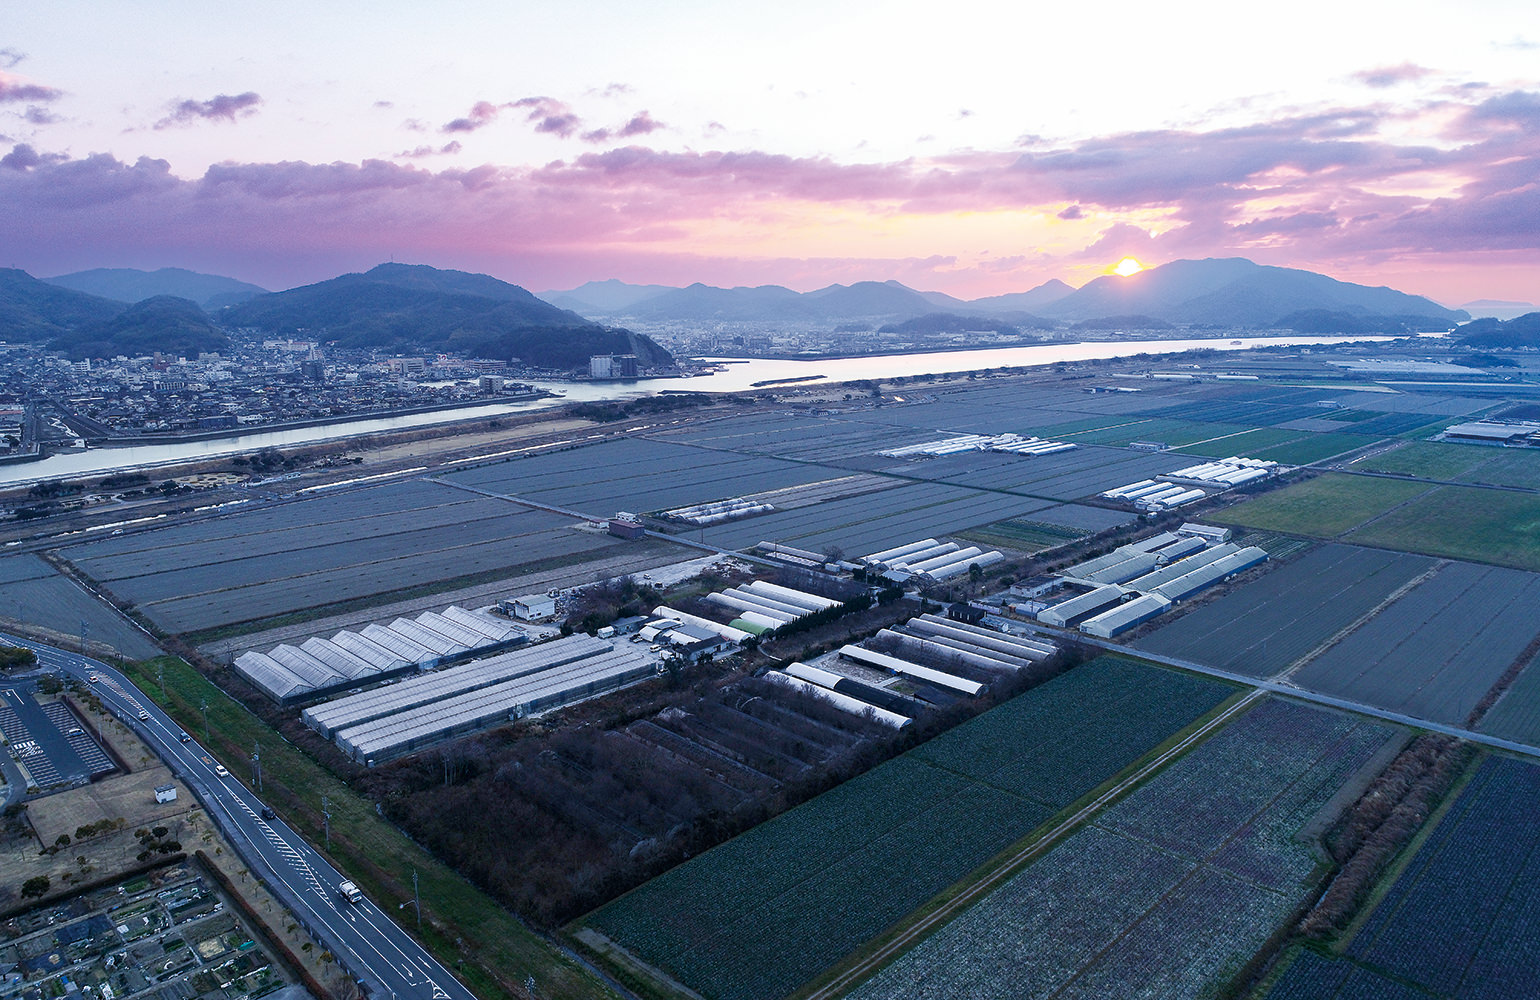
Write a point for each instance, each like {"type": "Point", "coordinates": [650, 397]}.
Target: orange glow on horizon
{"type": "Point", "coordinates": [1128, 266]}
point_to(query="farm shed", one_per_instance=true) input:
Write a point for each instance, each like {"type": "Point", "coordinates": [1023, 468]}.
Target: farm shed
{"type": "Point", "coordinates": [1206, 576]}
{"type": "Point", "coordinates": [1125, 616]}
{"type": "Point", "coordinates": [871, 694]}
{"type": "Point", "coordinates": [1067, 612]}
{"type": "Point", "coordinates": [340, 713]}
{"type": "Point", "coordinates": [408, 731]}
{"type": "Point", "coordinates": [912, 670]}
{"type": "Point", "coordinates": [843, 702]}
{"type": "Point", "coordinates": [1176, 570]}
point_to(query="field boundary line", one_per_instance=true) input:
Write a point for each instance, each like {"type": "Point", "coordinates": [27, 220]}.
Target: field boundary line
{"type": "Point", "coordinates": [1014, 864]}
{"type": "Point", "coordinates": [1362, 620]}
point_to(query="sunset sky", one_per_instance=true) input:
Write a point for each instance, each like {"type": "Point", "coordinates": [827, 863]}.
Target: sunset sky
{"type": "Point", "coordinates": [970, 148]}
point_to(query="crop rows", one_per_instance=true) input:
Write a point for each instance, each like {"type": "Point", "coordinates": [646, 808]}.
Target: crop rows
{"type": "Point", "coordinates": [1437, 650]}
{"type": "Point", "coordinates": [1266, 625]}
{"type": "Point", "coordinates": [14, 569]}
{"type": "Point", "coordinates": [1466, 913]}
{"type": "Point", "coordinates": [875, 521]}
{"type": "Point", "coordinates": [1462, 522]}
{"type": "Point", "coordinates": [333, 509]}
{"type": "Point", "coordinates": [1127, 907]}
{"type": "Point", "coordinates": [242, 601]}
{"type": "Point", "coordinates": [57, 603]}
{"type": "Point", "coordinates": [760, 914]}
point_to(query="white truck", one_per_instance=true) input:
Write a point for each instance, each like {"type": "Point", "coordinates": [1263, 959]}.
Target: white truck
{"type": "Point", "coordinates": [350, 892]}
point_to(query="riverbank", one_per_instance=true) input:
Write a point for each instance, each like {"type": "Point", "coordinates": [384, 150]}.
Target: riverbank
{"type": "Point", "coordinates": [290, 425]}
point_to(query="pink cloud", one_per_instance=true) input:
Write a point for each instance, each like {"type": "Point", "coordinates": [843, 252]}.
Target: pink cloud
{"type": "Point", "coordinates": [1325, 191]}
{"type": "Point", "coordinates": [219, 108]}
{"type": "Point", "coordinates": [482, 113]}
{"type": "Point", "coordinates": [14, 88]}
{"type": "Point", "coordinates": [1389, 76]}
{"type": "Point", "coordinates": [550, 115]}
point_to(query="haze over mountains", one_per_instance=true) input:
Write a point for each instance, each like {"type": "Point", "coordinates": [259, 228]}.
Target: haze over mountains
{"type": "Point", "coordinates": [127, 284]}
{"type": "Point", "coordinates": [1217, 292]}
{"type": "Point", "coordinates": [405, 308]}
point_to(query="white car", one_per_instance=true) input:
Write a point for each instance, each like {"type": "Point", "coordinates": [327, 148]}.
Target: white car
{"type": "Point", "coordinates": [95, 679]}
{"type": "Point", "coordinates": [221, 770]}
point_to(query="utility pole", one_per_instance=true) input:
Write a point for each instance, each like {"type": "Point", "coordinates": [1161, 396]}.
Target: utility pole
{"type": "Point", "coordinates": [326, 817]}
{"type": "Point", "coordinates": [256, 765]}
{"type": "Point", "coordinates": [203, 706]}
{"type": "Point", "coordinates": [160, 675]}
{"type": "Point", "coordinates": [416, 899]}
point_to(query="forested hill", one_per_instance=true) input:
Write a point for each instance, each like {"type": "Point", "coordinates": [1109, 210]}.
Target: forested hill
{"type": "Point", "coordinates": [415, 307]}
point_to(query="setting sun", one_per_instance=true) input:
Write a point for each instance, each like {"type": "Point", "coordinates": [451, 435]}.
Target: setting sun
{"type": "Point", "coordinates": [1127, 266]}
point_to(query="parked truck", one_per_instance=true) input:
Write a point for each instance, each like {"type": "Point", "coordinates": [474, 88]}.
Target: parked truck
{"type": "Point", "coordinates": [350, 892]}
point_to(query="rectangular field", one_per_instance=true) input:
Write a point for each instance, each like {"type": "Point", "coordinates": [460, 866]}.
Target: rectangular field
{"type": "Point", "coordinates": [1462, 522]}
{"type": "Point", "coordinates": [1437, 649]}
{"type": "Point", "coordinates": [258, 563]}
{"type": "Point", "coordinates": [32, 592]}
{"type": "Point", "coordinates": [764, 912]}
{"type": "Point", "coordinates": [1167, 894]}
{"type": "Point", "coordinates": [1505, 467]}
{"type": "Point", "coordinates": [1323, 507]}
{"type": "Point", "coordinates": [1261, 628]}
{"type": "Point", "coordinates": [1427, 460]}
{"type": "Point", "coordinates": [1461, 920]}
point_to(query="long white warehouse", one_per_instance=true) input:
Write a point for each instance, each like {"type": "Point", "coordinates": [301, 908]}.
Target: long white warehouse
{"type": "Point", "coordinates": [843, 702]}
{"type": "Point", "coordinates": [892, 663]}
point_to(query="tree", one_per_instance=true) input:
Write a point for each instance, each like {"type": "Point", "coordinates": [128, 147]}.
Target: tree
{"type": "Point", "coordinates": [37, 885]}
{"type": "Point", "coordinates": [16, 658]}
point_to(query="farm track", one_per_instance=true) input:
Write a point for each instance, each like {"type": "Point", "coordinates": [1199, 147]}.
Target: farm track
{"type": "Point", "coordinates": [1362, 620]}
{"type": "Point", "coordinates": [1014, 864]}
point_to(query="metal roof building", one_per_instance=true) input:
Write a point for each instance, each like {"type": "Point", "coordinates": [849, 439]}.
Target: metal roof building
{"type": "Point", "coordinates": [404, 732]}
{"type": "Point", "coordinates": [1065, 612]}
{"type": "Point", "coordinates": [1207, 576]}
{"type": "Point", "coordinates": [382, 659]}
{"type": "Point", "coordinates": [1125, 616]}
{"type": "Point", "coordinates": [892, 663]}
{"type": "Point", "coordinates": [1176, 570]}
{"type": "Point", "coordinates": [841, 701]}
{"type": "Point", "coordinates": [339, 713]}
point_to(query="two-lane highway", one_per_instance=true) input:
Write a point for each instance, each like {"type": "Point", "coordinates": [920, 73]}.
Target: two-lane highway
{"type": "Point", "coordinates": [368, 943]}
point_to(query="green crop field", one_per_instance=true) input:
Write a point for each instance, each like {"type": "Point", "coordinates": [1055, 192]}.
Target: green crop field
{"type": "Point", "coordinates": [1246, 443]}
{"type": "Point", "coordinates": [763, 913]}
{"type": "Point", "coordinates": [1323, 507]}
{"type": "Point", "coordinates": [1023, 535]}
{"type": "Point", "coordinates": [1505, 467]}
{"type": "Point", "coordinates": [1463, 522]}
{"type": "Point", "coordinates": [1314, 448]}
{"type": "Point", "coordinates": [1171, 432]}
{"type": "Point", "coordinates": [1426, 460]}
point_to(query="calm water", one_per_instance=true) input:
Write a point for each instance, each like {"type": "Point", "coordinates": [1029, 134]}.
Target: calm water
{"type": "Point", "coordinates": [738, 377]}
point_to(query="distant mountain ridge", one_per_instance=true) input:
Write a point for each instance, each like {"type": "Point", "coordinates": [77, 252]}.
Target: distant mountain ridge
{"type": "Point", "coordinates": [417, 307]}
{"type": "Point", "coordinates": [127, 284]}
{"type": "Point", "coordinates": [1217, 292]}
{"type": "Point", "coordinates": [35, 311]}
{"type": "Point", "coordinates": [1235, 292]}
{"type": "Point", "coordinates": [163, 323]}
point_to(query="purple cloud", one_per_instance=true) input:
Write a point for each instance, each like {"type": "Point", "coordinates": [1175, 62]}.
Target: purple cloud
{"type": "Point", "coordinates": [641, 123]}
{"type": "Point", "coordinates": [36, 114]}
{"type": "Point", "coordinates": [10, 57]}
{"type": "Point", "coordinates": [482, 113]}
{"type": "Point", "coordinates": [550, 115]}
{"type": "Point", "coordinates": [14, 88]}
{"type": "Point", "coordinates": [219, 108]}
{"type": "Point", "coordinates": [1073, 212]}
{"type": "Point", "coordinates": [1389, 76]}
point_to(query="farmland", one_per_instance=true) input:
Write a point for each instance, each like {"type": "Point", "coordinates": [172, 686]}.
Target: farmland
{"type": "Point", "coordinates": [1483, 525]}
{"type": "Point", "coordinates": [1260, 629]}
{"type": "Point", "coordinates": [1126, 906]}
{"type": "Point", "coordinates": [1459, 920]}
{"type": "Point", "coordinates": [1323, 507]}
{"type": "Point", "coordinates": [1439, 648]}
{"type": "Point", "coordinates": [32, 591]}
{"type": "Point", "coordinates": [762, 913]}
{"type": "Point", "coordinates": [263, 563]}
{"type": "Point", "coordinates": [1427, 460]}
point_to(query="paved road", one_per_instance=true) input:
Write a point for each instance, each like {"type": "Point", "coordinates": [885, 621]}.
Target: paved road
{"type": "Point", "coordinates": [367, 942]}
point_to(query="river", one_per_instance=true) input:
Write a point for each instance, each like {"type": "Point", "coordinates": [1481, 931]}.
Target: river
{"type": "Point", "coordinates": [737, 377]}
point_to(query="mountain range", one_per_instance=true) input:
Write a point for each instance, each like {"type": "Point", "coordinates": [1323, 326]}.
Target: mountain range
{"type": "Point", "coordinates": [1217, 292]}
{"type": "Point", "coordinates": [407, 307]}
{"type": "Point", "coordinates": [127, 284]}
